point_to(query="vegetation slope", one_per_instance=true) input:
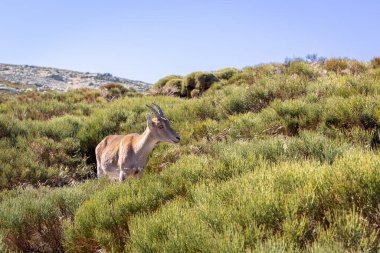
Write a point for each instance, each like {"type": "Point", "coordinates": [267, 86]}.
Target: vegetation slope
{"type": "Point", "coordinates": [277, 157]}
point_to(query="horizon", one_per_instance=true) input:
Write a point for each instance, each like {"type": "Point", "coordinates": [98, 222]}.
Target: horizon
{"type": "Point", "coordinates": [148, 40]}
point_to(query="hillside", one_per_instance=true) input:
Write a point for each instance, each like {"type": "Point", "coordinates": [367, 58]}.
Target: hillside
{"type": "Point", "coordinates": [272, 158]}
{"type": "Point", "coordinates": [15, 78]}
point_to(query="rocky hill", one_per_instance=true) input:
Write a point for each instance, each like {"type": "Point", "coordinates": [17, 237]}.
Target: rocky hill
{"type": "Point", "coordinates": [16, 78]}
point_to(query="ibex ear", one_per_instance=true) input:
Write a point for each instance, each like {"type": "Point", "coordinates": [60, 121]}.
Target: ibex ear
{"type": "Point", "coordinates": [149, 119]}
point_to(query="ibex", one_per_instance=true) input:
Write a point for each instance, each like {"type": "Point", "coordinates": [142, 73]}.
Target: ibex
{"type": "Point", "coordinates": [122, 156]}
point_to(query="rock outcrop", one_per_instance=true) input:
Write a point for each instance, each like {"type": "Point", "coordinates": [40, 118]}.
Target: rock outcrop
{"type": "Point", "coordinates": [22, 77]}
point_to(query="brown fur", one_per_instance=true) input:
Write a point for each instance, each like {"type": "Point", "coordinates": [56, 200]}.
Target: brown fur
{"type": "Point", "coordinates": [122, 156]}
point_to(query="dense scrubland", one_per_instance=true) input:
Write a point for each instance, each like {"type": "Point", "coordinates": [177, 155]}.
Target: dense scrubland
{"type": "Point", "coordinates": [276, 157]}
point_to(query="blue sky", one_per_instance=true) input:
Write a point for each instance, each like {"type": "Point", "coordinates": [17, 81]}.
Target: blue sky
{"type": "Point", "coordinates": [146, 40]}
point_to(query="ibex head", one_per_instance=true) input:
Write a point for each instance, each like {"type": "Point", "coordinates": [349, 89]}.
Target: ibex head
{"type": "Point", "coordinates": [160, 126]}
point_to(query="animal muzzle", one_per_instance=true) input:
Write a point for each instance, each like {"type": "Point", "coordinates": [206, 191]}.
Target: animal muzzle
{"type": "Point", "coordinates": [175, 138]}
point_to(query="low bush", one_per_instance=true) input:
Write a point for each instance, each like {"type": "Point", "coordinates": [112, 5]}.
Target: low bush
{"type": "Point", "coordinates": [31, 220]}
{"type": "Point", "coordinates": [113, 91]}
{"type": "Point", "coordinates": [243, 99]}
{"type": "Point", "coordinates": [336, 65]}
{"type": "Point", "coordinates": [298, 114]}
{"type": "Point", "coordinates": [270, 158]}
{"type": "Point", "coordinates": [169, 85]}
{"type": "Point", "coordinates": [197, 80]}
{"type": "Point", "coordinates": [288, 207]}
{"type": "Point", "coordinates": [108, 228]}
{"type": "Point", "coordinates": [302, 69]}
{"type": "Point", "coordinates": [173, 87]}
{"type": "Point", "coordinates": [226, 74]}
{"type": "Point", "coordinates": [357, 67]}
{"type": "Point", "coordinates": [375, 73]}
{"type": "Point", "coordinates": [162, 82]}
{"type": "Point", "coordinates": [354, 111]}
{"type": "Point", "coordinates": [195, 93]}
{"type": "Point", "coordinates": [375, 62]}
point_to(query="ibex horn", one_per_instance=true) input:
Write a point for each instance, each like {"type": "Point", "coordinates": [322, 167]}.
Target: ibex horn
{"type": "Point", "coordinates": [159, 109]}
{"type": "Point", "coordinates": [154, 111]}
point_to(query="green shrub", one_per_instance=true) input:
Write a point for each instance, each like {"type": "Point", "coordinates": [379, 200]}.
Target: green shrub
{"type": "Point", "coordinates": [109, 226]}
{"type": "Point", "coordinates": [32, 219]}
{"type": "Point", "coordinates": [271, 158]}
{"type": "Point", "coordinates": [242, 99]}
{"type": "Point", "coordinates": [226, 74]}
{"type": "Point", "coordinates": [298, 114]}
{"type": "Point", "coordinates": [375, 62]}
{"type": "Point", "coordinates": [169, 85]}
{"type": "Point", "coordinates": [204, 80]}
{"type": "Point", "coordinates": [188, 85]}
{"type": "Point", "coordinates": [162, 82]}
{"type": "Point", "coordinates": [113, 91]}
{"type": "Point", "coordinates": [12, 128]}
{"type": "Point", "coordinates": [176, 82]}
{"type": "Point", "coordinates": [348, 113]}
{"type": "Point", "coordinates": [288, 205]}
{"type": "Point", "coordinates": [302, 69]}
{"type": "Point", "coordinates": [194, 93]}
{"type": "Point", "coordinates": [336, 65]}
{"type": "Point", "coordinates": [173, 87]}
{"type": "Point", "coordinates": [47, 105]}
{"type": "Point", "coordinates": [16, 169]}
{"type": "Point", "coordinates": [375, 73]}
{"type": "Point", "coordinates": [267, 70]}
{"type": "Point", "coordinates": [251, 125]}
{"type": "Point", "coordinates": [57, 128]}
{"type": "Point", "coordinates": [351, 229]}
{"type": "Point", "coordinates": [357, 67]}
{"type": "Point", "coordinates": [156, 233]}
{"type": "Point", "coordinates": [197, 80]}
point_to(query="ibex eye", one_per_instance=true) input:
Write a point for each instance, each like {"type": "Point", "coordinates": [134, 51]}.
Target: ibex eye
{"type": "Point", "coordinates": [160, 126]}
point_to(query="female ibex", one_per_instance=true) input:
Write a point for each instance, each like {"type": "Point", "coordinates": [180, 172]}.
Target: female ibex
{"type": "Point", "coordinates": [122, 156]}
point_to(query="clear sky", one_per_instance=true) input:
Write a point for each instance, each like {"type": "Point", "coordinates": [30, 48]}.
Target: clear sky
{"type": "Point", "coordinates": [146, 40]}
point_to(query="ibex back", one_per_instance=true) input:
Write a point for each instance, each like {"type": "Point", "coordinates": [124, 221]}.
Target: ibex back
{"type": "Point", "coordinates": [122, 156]}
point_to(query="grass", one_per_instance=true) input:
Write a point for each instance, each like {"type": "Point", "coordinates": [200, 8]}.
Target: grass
{"type": "Point", "coordinates": [277, 157]}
